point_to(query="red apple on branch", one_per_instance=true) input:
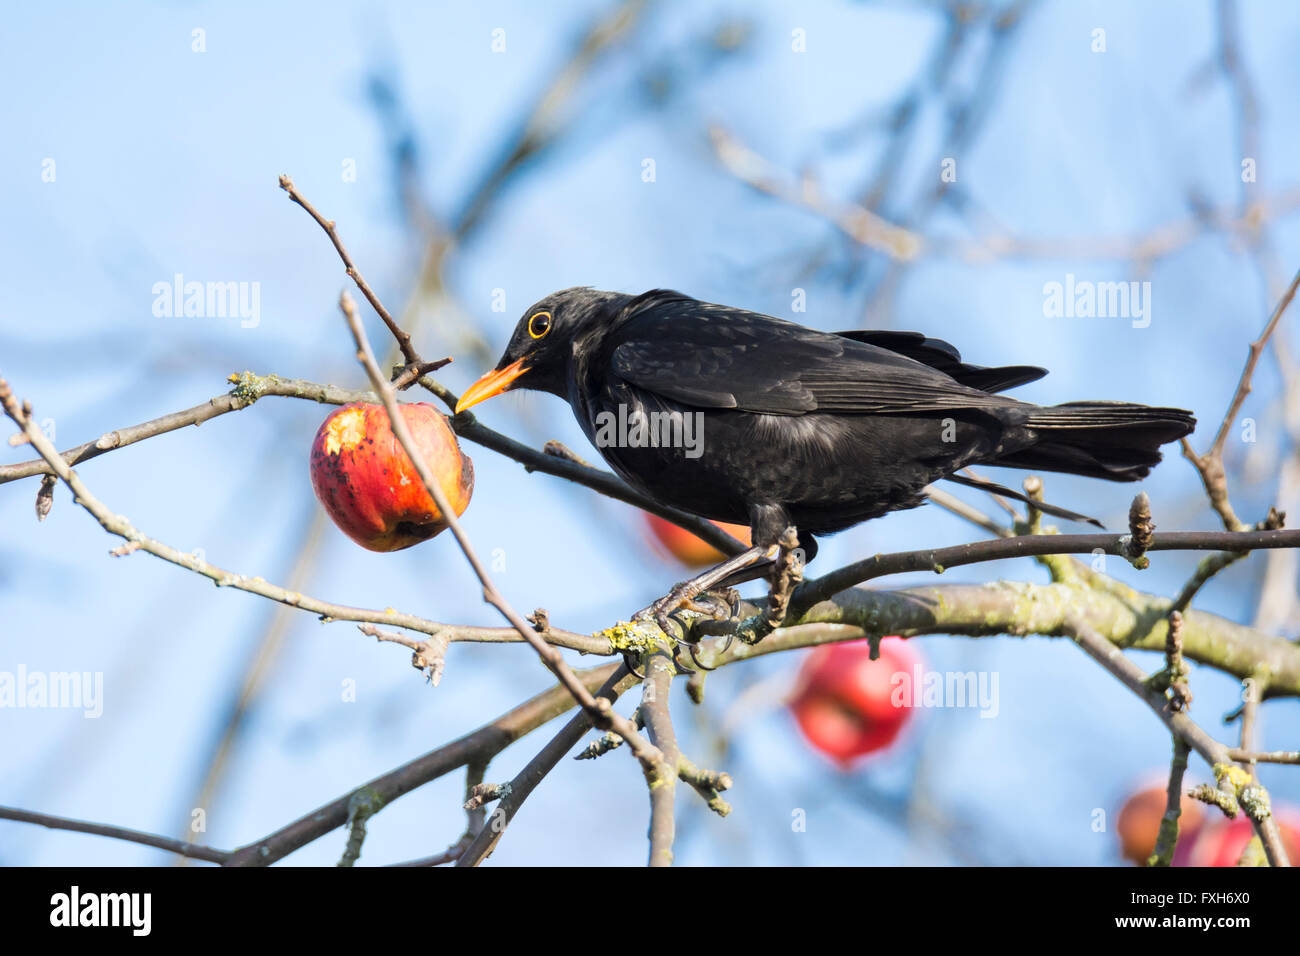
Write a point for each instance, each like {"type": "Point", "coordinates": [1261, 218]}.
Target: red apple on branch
{"type": "Point", "coordinates": [368, 485]}
{"type": "Point", "coordinates": [847, 705]}
{"type": "Point", "coordinates": [1220, 842]}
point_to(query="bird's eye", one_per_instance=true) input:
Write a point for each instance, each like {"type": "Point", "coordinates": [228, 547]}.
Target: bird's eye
{"type": "Point", "coordinates": [539, 324]}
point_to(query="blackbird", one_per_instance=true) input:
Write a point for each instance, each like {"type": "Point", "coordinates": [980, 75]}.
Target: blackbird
{"type": "Point", "coordinates": [747, 418]}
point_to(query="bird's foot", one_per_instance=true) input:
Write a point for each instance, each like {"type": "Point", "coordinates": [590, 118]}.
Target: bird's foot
{"type": "Point", "coordinates": [719, 608]}
{"type": "Point", "coordinates": [787, 573]}
{"type": "Point", "coordinates": [718, 605]}
{"type": "Point", "coordinates": [684, 595]}
{"type": "Point", "coordinates": [703, 595]}
{"type": "Point", "coordinates": [723, 623]}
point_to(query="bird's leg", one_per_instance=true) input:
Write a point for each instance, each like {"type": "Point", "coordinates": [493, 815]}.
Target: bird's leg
{"type": "Point", "coordinates": [787, 572]}
{"type": "Point", "coordinates": [684, 594]}
{"type": "Point", "coordinates": [785, 575]}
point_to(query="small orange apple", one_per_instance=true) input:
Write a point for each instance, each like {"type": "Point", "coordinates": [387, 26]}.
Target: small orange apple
{"type": "Point", "coordinates": [1138, 823]}
{"type": "Point", "coordinates": [690, 550]}
{"type": "Point", "coordinates": [368, 485]}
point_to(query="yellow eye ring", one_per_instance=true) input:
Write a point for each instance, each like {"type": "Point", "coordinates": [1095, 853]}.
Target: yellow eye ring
{"type": "Point", "coordinates": [539, 324]}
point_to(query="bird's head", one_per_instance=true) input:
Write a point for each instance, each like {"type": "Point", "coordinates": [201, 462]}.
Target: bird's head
{"type": "Point", "coordinates": [538, 354]}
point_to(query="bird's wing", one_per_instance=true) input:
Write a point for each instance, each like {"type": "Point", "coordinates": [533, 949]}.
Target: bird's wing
{"type": "Point", "coordinates": [716, 357]}
{"type": "Point", "coordinates": [944, 357]}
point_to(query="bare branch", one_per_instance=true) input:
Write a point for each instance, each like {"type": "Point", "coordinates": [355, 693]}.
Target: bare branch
{"type": "Point", "coordinates": [477, 746]}
{"type": "Point", "coordinates": [1127, 617]}
{"type": "Point", "coordinates": [231, 401]}
{"type": "Point", "coordinates": [403, 340]}
{"type": "Point", "coordinates": [523, 784]}
{"type": "Point", "coordinates": [659, 725]}
{"type": "Point", "coordinates": [1272, 756]}
{"type": "Point", "coordinates": [248, 388]}
{"type": "Point", "coordinates": [194, 851]}
{"type": "Point", "coordinates": [1210, 465]}
{"type": "Point", "coordinates": [1167, 837]}
{"type": "Point", "coordinates": [940, 559]}
{"type": "Point", "coordinates": [857, 222]}
{"type": "Point", "coordinates": [1231, 778]}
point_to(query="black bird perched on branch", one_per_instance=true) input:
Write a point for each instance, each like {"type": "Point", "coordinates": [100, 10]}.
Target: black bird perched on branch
{"type": "Point", "coordinates": [746, 418]}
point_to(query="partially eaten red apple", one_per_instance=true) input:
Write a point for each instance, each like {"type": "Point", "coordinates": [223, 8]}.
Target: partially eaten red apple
{"type": "Point", "coordinates": [368, 485]}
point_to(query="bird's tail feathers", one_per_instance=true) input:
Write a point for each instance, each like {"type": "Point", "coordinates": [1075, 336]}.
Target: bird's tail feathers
{"type": "Point", "coordinates": [1117, 441]}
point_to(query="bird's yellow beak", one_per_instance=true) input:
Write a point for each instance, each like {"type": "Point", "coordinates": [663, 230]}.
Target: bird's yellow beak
{"type": "Point", "coordinates": [493, 383]}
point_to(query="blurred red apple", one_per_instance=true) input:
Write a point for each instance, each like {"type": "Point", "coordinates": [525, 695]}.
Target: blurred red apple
{"type": "Point", "coordinates": [1220, 842]}
{"type": "Point", "coordinates": [1138, 823]}
{"type": "Point", "coordinates": [686, 547]}
{"type": "Point", "coordinates": [369, 486]}
{"type": "Point", "coordinates": [847, 705]}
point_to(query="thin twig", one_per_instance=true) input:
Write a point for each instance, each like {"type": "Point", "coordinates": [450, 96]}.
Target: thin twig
{"type": "Point", "coordinates": [248, 388]}
{"type": "Point", "coordinates": [1249, 720]}
{"type": "Point", "coordinates": [476, 817]}
{"type": "Point", "coordinates": [194, 851]}
{"type": "Point", "coordinates": [857, 222]}
{"type": "Point", "coordinates": [477, 746]}
{"type": "Point", "coordinates": [1210, 464]}
{"type": "Point", "coordinates": [403, 340]}
{"type": "Point", "coordinates": [1167, 837]}
{"type": "Point", "coordinates": [523, 784]}
{"type": "Point", "coordinates": [1269, 756]}
{"type": "Point", "coordinates": [1232, 780]}
{"type": "Point", "coordinates": [707, 783]}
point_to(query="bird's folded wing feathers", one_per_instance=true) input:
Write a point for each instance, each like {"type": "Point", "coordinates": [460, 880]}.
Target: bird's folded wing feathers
{"type": "Point", "coordinates": [756, 363]}
{"type": "Point", "coordinates": [945, 358]}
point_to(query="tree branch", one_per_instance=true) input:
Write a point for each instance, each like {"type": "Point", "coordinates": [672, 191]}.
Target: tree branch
{"type": "Point", "coordinates": [478, 746]}
{"type": "Point", "coordinates": [195, 851]}
{"type": "Point", "coordinates": [403, 339]}
{"type": "Point", "coordinates": [940, 559]}
{"type": "Point", "coordinates": [659, 725]}
{"type": "Point", "coordinates": [523, 784]}
{"type": "Point", "coordinates": [248, 388]}
{"type": "Point", "coordinates": [1210, 465]}
{"type": "Point", "coordinates": [1229, 776]}
{"type": "Point", "coordinates": [1127, 617]}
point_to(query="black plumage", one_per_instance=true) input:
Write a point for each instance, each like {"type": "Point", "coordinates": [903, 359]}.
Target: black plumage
{"type": "Point", "coordinates": [799, 427]}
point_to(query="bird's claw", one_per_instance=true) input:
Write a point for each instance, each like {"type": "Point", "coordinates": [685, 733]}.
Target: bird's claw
{"type": "Point", "coordinates": [695, 654]}
{"type": "Point", "coordinates": [719, 606]}
{"type": "Point", "coordinates": [629, 661]}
